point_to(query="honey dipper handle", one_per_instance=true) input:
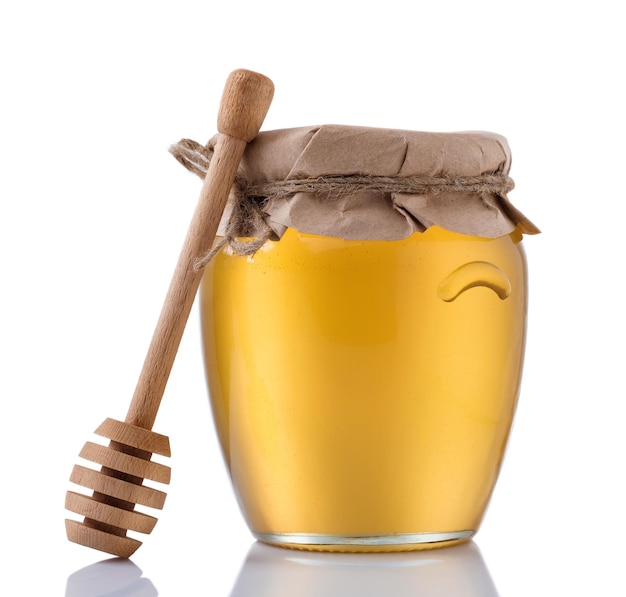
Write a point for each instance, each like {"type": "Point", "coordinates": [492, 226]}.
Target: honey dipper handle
{"type": "Point", "coordinates": [245, 101]}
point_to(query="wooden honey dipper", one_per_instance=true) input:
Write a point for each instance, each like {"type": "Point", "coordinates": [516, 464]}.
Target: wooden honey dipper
{"type": "Point", "coordinates": [109, 513]}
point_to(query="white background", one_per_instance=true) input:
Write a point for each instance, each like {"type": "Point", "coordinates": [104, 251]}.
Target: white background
{"type": "Point", "coordinates": [93, 210]}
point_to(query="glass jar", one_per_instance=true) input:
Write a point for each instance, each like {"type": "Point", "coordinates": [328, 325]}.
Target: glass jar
{"type": "Point", "coordinates": [363, 389]}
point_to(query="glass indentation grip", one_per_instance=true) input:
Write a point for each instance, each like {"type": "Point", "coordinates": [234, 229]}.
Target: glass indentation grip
{"type": "Point", "coordinates": [471, 275]}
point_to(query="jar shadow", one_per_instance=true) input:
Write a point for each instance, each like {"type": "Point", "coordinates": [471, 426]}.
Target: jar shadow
{"type": "Point", "coordinates": [449, 572]}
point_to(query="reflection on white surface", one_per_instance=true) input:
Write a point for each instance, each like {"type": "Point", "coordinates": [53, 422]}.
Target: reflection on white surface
{"type": "Point", "coordinates": [449, 572]}
{"type": "Point", "coordinates": [116, 576]}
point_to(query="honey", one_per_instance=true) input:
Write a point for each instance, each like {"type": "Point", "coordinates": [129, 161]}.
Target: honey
{"type": "Point", "coordinates": [363, 390]}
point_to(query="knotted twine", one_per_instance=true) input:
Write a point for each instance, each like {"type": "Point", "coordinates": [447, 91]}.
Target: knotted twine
{"type": "Point", "coordinates": [248, 219]}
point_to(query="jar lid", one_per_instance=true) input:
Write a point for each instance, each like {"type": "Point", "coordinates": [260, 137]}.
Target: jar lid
{"type": "Point", "coordinates": [368, 183]}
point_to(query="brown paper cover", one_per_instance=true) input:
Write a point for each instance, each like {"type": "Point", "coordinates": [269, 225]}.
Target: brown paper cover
{"type": "Point", "coordinates": [344, 152]}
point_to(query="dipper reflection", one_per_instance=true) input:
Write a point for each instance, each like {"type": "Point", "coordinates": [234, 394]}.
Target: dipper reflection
{"type": "Point", "coordinates": [450, 572]}
{"type": "Point", "coordinates": [117, 577]}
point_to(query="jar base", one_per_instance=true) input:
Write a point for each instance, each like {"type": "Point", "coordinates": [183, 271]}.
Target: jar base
{"type": "Point", "coordinates": [365, 543]}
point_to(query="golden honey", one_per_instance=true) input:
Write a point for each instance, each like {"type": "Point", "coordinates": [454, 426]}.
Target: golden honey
{"type": "Point", "coordinates": [363, 391]}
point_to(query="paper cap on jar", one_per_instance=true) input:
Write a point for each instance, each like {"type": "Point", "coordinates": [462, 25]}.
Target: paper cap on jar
{"type": "Point", "coordinates": [368, 183]}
